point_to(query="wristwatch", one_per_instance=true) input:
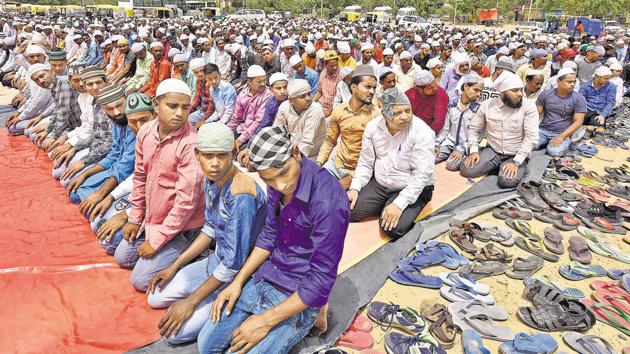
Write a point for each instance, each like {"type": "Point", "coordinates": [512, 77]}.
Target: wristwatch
{"type": "Point", "coordinates": [518, 164]}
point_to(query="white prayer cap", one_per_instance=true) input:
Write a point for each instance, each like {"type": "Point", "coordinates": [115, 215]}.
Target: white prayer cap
{"type": "Point", "coordinates": [471, 78]}
{"type": "Point", "coordinates": [215, 136]}
{"type": "Point", "coordinates": [275, 77]}
{"type": "Point", "coordinates": [34, 49]}
{"type": "Point", "coordinates": [610, 61]}
{"type": "Point", "coordinates": [197, 63]}
{"type": "Point", "coordinates": [345, 71]}
{"type": "Point", "coordinates": [388, 51]}
{"type": "Point", "coordinates": [603, 71]}
{"type": "Point", "coordinates": [255, 71]}
{"type": "Point", "coordinates": [156, 45]}
{"type": "Point", "coordinates": [425, 45]}
{"type": "Point", "coordinates": [294, 60]}
{"type": "Point", "coordinates": [565, 71]}
{"type": "Point", "coordinates": [178, 58]}
{"type": "Point", "coordinates": [423, 77]}
{"type": "Point", "coordinates": [616, 66]}
{"type": "Point", "coordinates": [106, 42]}
{"type": "Point", "coordinates": [433, 62]}
{"type": "Point", "coordinates": [288, 42]}
{"type": "Point", "coordinates": [173, 51]}
{"type": "Point", "coordinates": [298, 87]}
{"type": "Point", "coordinates": [183, 37]}
{"type": "Point", "coordinates": [98, 33]}
{"type": "Point", "coordinates": [533, 72]}
{"type": "Point", "coordinates": [417, 38]}
{"type": "Point", "coordinates": [137, 47]}
{"type": "Point", "coordinates": [172, 86]}
{"type": "Point", "coordinates": [37, 67]}
{"type": "Point", "coordinates": [202, 40]}
{"type": "Point", "coordinates": [397, 45]}
{"type": "Point", "coordinates": [504, 51]}
{"type": "Point", "coordinates": [367, 46]}
{"type": "Point", "coordinates": [405, 55]}
{"type": "Point", "coordinates": [310, 49]}
{"type": "Point", "coordinates": [343, 47]}
{"type": "Point", "coordinates": [508, 81]}
{"type": "Point", "coordinates": [384, 70]}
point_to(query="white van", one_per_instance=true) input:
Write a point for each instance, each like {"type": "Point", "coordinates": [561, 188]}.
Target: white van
{"type": "Point", "coordinates": [405, 11]}
{"type": "Point", "coordinates": [354, 8]}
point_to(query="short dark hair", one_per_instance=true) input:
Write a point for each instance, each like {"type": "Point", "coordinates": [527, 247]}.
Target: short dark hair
{"type": "Point", "coordinates": [210, 68]}
{"type": "Point", "coordinates": [359, 79]}
{"type": "Point", "coordinates": [382, 77]}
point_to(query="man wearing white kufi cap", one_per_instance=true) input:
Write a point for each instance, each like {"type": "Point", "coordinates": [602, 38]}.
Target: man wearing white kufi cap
{"type": "Point", "coordinates": [242, 204]}
{"type": "Point", "coordinates": [367, 53]}
{"type": "Point", "coordinates": [512, 132]}
{"type": "Point", "coordinates": [303, 72]}
{"type": "Point", "coordinates": [144, 59]}
{"type": "Point", "coordinates": [406, 73]}
{"type": "Point", "coordinates": [250, 106]}
{"type": "Point", "coordinates": [617, 71]}
{"type": "Point", "coordinates": [303, 118]}
{"type": "Point", "coordinates": [452, 141]}
{"type": "Point", "coordinates": [388, 60]}
{"type": "Point", "coordinates": [563, 112]}
{"type": "Point", "coordinates": [167, 195]}
{"type": "Point", "coordinates": [600, 96]}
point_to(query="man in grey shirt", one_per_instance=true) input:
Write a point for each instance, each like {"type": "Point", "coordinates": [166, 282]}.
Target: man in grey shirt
{"type": "Point", "coordinates": [587, 66]}
{"type": "Point", "coordinates": [563, 112]}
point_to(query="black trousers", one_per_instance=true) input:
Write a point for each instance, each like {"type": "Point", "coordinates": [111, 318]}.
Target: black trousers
{"type": "Point", "coordinates": [373, 198]}
{"type": "Point", "coordinates": [589, 118]}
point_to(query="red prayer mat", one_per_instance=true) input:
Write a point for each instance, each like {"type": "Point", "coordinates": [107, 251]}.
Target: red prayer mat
{"type": "Point", "coordinates": [61, 293]}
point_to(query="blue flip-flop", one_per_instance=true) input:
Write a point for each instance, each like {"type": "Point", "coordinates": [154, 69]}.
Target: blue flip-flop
{"type": "Point", "coordinates": [617, 274]}
{"type": "Point", "coordinates": [453, 259]}
{"type": "Point", "coordinates": [576, 271]}
{"type": "Point", "coordinates": [472, 343]}
{"type": "Point", "coordinates": [540, 343]}
{"type": "Point", "coordinates": [414, 277]}
{"type": "Point", "coordinates": [625, 282]}
{"type": "Point", "coordinates": [431, 256]}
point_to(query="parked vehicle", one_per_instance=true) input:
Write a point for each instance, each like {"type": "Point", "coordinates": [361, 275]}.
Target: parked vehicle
{"type": "Point", "coordinates": [348, 16]}
{"type": "Point", "coordinates": [247, 14]}
{"type": "Point", "coordinates": [592, 27]}
{"type": "Point", "coordinates": [387, 10]}
{"type": "Point", "coordinates": [435, 20]}
{"type": "Point", "coordinates": [611, 26]}
{"type": "Point", "coordinates": [415, 22]}
{"type": "Point", "coordinates": [405, 11]}
{"type": "Point", "coordinates": [530, 26]}
{"type": "Point", "coordinates": [374, 17]}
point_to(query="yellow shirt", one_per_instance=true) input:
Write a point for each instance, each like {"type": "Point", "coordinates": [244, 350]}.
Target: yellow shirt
{"type": "Point", "coordinates": [350, 62]}
{"type": "Point", "coordinates": [350, 125]}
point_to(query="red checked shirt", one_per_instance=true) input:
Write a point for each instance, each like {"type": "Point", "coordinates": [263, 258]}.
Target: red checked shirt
{"type": "Point", "coordinates": [328, 86]}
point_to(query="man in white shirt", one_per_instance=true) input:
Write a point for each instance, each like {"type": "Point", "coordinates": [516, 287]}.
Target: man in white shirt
{"type": "Point", "coordinates": [223, 59]}
{"type": "Point", "coordinates": [394, 175]}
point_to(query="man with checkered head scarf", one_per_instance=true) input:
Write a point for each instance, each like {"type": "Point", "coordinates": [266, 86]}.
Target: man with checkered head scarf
{"type": "Point", "coordinates": [235, 213]}
{"type": "Point", "coordinates": [394, 175]}
{"type": "Point", "coordinates": [295, 258]}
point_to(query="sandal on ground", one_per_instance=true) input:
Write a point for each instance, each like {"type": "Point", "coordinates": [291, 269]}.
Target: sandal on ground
{"type": "Point", "coordinates": [564, 315]}
{"type": "Point", "coordinates": [479, 270]}
{"type": "Point", "coordinates": [568, 222]}
{"type": "Point", "coordinates": [536, 248]}
{"type": "Point", "coordinates": [523, 228]}
{"type": "Point", "coordinates": [490, 252]}
{"type": "Point", "coordinates": [476, 307]}
{"type": "Point", "coordinates": [395, 316]}
{"type": "Point", "coordinates": [568, 292]}
{"type": "Point", "coordinates": [461, 293]}
{"type": "Point", "coordinates": [609, 315]}
{"type": "Point", "coordinates": [484, 326]}
{"type": "Point", "coordinates": [463, 239]}
{"type": "Point", "coordinates": [444, 330]}
{"type": "Point", "coordinates": [511, 213]}
{"type": "Point", "coordinates": [542, 294]}
{"type": "Point", "coordinates": [553, 241]}
{"type": "Point", "coordinates": [456, 279]}
{"type": "Point", "coordinates": [548, 215]}
{"type": "Point", "coordinates": [578, 250]}
{"type": "Point", "coordinates": [524, 267]}
{"type": "Point", "coordinates": [583, 343]}
{"type": "Point", "coordinates": [540, 343]}
{"type": "Point", "coordinates": [576, 271]}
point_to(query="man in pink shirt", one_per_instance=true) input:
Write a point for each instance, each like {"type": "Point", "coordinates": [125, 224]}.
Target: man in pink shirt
{"type": "Point", "coordinates": [167, 200]}
{"type": "Point", "coordinates": [250, 107]}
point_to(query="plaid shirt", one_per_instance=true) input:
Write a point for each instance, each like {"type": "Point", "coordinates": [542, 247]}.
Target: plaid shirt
{"type": "Point", "coordinates": [101, 140]}
{"type": "Point", "coordinates": [328, 86]}
{"type": "Point", "coordinates": [67, 114]}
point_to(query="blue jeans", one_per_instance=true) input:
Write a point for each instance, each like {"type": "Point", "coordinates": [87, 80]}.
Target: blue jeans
{"type": "Point", "coordinates": [256, 298]}
{"type": "Point", "coordinates": [144, 269]}
{"type": "Point", "coordinates": [545, 136]}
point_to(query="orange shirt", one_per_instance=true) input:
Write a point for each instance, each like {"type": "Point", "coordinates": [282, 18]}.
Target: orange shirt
{"type": "Point", "coordinates": [311, 62]}
{"type": "Point", "coordinates": [160, 70]}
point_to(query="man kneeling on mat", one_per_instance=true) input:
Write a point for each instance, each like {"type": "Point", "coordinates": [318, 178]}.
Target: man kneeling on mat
{"type": "Point", "coordinates": [234, 216]}
{"type": "Point", "coordinates": [394, 175]}
{"type": "Point", "coordinates": [295, 259]}
{"type": "Point", "coordinates": [167, 196]}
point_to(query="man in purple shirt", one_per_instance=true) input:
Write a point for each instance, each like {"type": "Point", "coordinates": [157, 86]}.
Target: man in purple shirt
{"type": "Point", "coordinates": [294, 264]}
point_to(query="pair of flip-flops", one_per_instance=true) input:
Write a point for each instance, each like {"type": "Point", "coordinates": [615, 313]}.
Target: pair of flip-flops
{"type": "Point", "coordinates": [600, 245]}
{"type": "Point", "coordinates": [452, 259]}
{"type": "Point", "coordinates": [462, 288]}
{"type": "Point", "coordinates": [481, 318]}
{"type": "Point", "coordinates": [479, 270]}
{"type": "Point", "coordinates": [523, 343]}
{"type": "Point", "coordinates": [523, 268]}
{"type": "Point", "coordinates": [590, 344]}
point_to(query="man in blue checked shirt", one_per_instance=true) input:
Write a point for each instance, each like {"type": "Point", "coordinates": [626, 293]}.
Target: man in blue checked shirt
{"type": "Point", "coordinates": [92, 185]}
{"type": "Point", "coordinates": [234, 216]}
{"type": "Point", "coordinates": [294, 264]}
